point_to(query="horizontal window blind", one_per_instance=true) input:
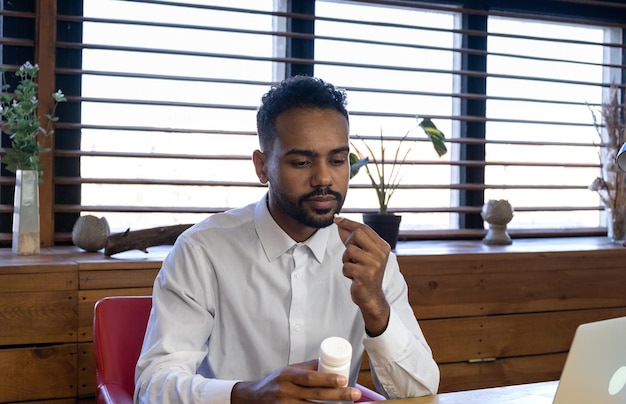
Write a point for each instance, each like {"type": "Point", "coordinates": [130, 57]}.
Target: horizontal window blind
{"type": "Point", "coordinates": [164, 97]}
{"type": "Point", "coordinates": [168, 109]}
{"type": "Point", "coordinates": [513, 90]}
{"type": "Point", "coordinates": [17, 42]}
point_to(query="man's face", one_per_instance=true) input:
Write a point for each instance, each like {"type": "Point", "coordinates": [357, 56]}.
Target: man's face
{"type": "Point", "coordinates": [308, 169]}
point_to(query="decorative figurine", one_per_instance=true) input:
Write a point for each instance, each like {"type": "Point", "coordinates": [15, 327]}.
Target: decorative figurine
{"type": "Point", "coordinates": [498, 213]}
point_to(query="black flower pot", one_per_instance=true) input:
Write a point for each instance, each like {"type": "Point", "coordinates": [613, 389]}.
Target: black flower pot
{"type": "Point", "coordinates": [387, 226]}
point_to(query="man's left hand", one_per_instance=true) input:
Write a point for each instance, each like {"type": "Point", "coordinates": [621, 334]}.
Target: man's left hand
{"type": "Point", "coordinates": [364, 262]}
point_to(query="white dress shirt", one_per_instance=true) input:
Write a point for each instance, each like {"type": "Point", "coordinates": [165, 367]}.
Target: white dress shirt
{"type": "Point", "coordinates": [237, 298]}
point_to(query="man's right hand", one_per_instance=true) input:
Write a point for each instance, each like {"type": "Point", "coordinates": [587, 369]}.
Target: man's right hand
{"type": "Point", "coordinates": [300, 382]}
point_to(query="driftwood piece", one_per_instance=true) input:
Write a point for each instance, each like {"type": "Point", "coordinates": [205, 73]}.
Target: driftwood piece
{"type": "Point", "coordinates": [142, 239]}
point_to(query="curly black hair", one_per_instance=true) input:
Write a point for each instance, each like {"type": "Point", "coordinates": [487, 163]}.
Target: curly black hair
{"type": "Point", "coordinates": [296, 92]}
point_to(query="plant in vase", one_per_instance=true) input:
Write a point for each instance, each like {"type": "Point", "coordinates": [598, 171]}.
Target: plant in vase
{"type": "Point", "coordinates": [385, 176]}
{"type": "Point", "coordinates": [20, 120]}
{"type": "Point", "coordinates": [611, 184]}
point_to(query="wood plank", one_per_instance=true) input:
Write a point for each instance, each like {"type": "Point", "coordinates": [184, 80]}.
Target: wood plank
{"type": "Point", "coordinates": [124, 278]}
{"type": "Point", "coordinates": [520, 245]}
{"type": "Point", "coordinates": [59, 256]}
{"type": "Point", "coordinates": [59, 401]}
{"type": "Point", "coordinates": [475, 294]}
{"type": "Point", "coordinates": [88, 298]}
{"type": "Point", "coordinates": [38, 317]}
{"type": "Point", "coordinates": [484, 263]}
{"type": "Point", "coordinates": [42, 282]}
{"type": "Point", "coordinates": [502, 372]}
{"type": "Point", "coordinates": [113, 264]}
{"type": "Point", "coordinates": [86, 369]}
{"type": "Point", "coordinates": [465, 339]}
{"type": "Point", "coordinates": [38, 373]}
{"type": "Point", "coordinates": [125, 260]}
{"type": "Point", "coordinates": [365, 377]}
{"type": "Point", "coordinates": [45, 56]}
{"type": "Point", "coordinates": [34, 264]}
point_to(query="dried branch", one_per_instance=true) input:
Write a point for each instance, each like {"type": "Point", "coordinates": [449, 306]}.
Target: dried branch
{"type": "Point", "coordinates": [611, 128]}
{"type": "Point", "coordinates": [142, 239]}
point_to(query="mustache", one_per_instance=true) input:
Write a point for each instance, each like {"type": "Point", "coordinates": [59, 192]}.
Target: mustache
{"type": "Point", "coordinates": [321, 192]}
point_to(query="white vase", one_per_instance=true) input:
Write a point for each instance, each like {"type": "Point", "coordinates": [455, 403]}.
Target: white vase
{"type": "Point", "coordinates": [26, 213]}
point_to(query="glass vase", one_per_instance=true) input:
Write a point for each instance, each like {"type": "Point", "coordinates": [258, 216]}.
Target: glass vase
{"type": "Point", "coordinates": [616, 225]}
{"type": "Point", "coordinates": [26, 213]}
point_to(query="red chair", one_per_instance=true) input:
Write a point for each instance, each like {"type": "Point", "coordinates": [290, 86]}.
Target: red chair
{"type": "Point", "coordinates": [119, 324]}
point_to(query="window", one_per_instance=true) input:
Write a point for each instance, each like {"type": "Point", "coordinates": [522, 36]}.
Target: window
{"type": "Point", "coordinates": [396, 64]}
{"type": "Point", "coordinates": [160, 123]}
{"type": "Point", "coordinates": [514, 92]}
{"type": "Point", "coordinates": [545, 79]}
{"type": "Point", "coordinates": [169, 104]}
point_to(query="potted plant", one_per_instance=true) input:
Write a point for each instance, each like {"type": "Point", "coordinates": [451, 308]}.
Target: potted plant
{"type": "Point", "coordinates": [20, 121]}
{"type": "Point", "coordinates": [385, 176]}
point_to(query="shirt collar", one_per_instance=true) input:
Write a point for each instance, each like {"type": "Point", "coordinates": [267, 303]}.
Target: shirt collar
{"type": "Point", "coordinates": [276, 242]}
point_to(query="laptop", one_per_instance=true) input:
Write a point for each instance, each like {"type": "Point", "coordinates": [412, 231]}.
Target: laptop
{"type": "Point", "coordinates": [595, 368]}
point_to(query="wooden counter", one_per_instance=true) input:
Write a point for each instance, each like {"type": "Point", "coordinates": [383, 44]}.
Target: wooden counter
{"type": "Point", "coordinates": [503, 315]}
{"type": "Point", "coordinates": [493, 315]}
{"type": "Point", "coordinates": [46, 316]}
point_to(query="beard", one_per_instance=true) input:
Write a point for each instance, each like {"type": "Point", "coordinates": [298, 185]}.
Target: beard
{"type": "Point", "coordinates": [315, 218]}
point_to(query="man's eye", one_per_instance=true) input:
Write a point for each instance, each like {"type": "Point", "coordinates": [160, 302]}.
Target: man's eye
{"type": "Point", "coordinates": [302, 163]}
{"type": "Point", "coordinates": [338, 162]}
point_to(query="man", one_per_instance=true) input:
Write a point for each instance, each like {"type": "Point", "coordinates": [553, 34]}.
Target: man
{"type": "Point", "coordinates": [245, 297]}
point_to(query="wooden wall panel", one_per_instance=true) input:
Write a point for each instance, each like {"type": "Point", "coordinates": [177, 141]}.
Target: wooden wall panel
{"type": "Point", "coordinates": [38, 373]}
{"type": "Point", "coordinates": [365, 377]}
{"type": "Point", "coordinates": [87, 300]}
{"type": "Point", "coordinates": [32, 317]}
{"type": "Point", "coordinates": [123, 278]}
{"type": "Point", "coordinates": [515, 307]}
{"type": "Point", "coordinates": [41, 282]}
{"type": "Point", "coordinates": [86, 369]}
{"type": "Point", "coordinates": [477, 294]}
{"type": "Point", "coordinates": [501, 372]}
{"type": "Point", "coordinates": [469, 338]}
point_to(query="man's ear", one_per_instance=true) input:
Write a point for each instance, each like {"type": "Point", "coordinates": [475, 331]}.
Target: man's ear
{"type": "Point", "coordinates": [259, 159]}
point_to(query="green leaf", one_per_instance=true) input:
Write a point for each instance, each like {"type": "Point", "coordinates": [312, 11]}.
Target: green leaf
{"type": "Point", "coordinates": [356, 164]}
{"type": "Point", "coordinates": [435, 135]}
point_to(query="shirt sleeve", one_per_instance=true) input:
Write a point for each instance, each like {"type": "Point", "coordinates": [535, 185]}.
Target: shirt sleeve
{"type": "Point", "coordinates": [175, 344]}
{"type": "Point", "coordinates": [401, 360]}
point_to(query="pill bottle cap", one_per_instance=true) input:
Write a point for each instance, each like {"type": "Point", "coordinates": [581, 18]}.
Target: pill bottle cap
{"type": "Point", "coordinates": [335, 351]}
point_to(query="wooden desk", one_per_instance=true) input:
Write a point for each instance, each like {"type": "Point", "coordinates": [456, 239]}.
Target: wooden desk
{"type": "Point", "coordinates": [534, 393]}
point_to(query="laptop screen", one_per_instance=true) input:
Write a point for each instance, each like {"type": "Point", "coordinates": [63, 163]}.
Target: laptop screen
{"type": "Point", "coordinates": [595, 368]}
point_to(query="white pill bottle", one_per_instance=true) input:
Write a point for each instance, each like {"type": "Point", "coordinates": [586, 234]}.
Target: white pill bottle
{"type": "Point", "coordinates": [335, 356]}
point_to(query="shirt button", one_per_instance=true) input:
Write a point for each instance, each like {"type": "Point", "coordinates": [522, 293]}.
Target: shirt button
{"type": "Point", "coordinates": [297, 327]}
{"type": "Point", "coordinates": [299, 275]}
